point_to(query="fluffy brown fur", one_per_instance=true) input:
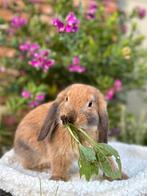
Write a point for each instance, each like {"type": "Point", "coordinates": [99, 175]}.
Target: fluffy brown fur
{"type": "Point", "coordinates": [41, 140]}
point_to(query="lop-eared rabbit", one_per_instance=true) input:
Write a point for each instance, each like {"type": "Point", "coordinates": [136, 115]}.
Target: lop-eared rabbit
{"type": "Point", "coordinates": [41, 139]}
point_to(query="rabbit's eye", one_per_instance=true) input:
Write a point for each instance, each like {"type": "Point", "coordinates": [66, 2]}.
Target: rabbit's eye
{"type": "Point", "coordinates": [90, 104]}
{"type": "Point", "coordinates": [66, 98]}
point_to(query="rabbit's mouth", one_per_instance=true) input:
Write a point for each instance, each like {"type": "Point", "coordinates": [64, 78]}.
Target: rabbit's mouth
{"type": "Point", "coordinates": [67, 119]}
{"type": "Point", "coordinates": [89, 124]}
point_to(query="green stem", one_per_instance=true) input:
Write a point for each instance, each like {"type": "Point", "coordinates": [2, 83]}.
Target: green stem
{"type": "Point", "coordinates": [88, 137]}
{"type": "Point", "coordinates": [95, 145]}
{"type": "Point", "coordinates": [85, 134]}
{"type": "Point", "coordinates": [70, 131]}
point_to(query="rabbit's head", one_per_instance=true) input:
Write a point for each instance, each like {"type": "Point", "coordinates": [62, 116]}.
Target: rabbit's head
{"type": "Point", "coordinates": [82, 105]}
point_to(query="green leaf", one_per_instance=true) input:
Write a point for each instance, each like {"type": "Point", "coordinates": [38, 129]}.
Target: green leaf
{"type": "Point", "coordinates": [88, 153]}
{"type": "Point", "coordinates": [99, 155]}
{"type": "Point", "coordinates": [108, 149]}
{"type": "Point", "coordinates": [87, 168]}
{"type": "Point", "coordinates": [104, 154]}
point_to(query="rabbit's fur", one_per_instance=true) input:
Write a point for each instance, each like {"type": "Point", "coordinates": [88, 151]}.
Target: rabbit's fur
{"type": "Point", "coordinates": [41, 140]}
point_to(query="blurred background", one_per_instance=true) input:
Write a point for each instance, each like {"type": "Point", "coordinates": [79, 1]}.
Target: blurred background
{"type": "Point", "coordinates": [46, 45]}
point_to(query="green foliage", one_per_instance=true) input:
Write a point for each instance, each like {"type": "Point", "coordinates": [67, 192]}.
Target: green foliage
{"type": "Point", "coordinates": [104, 152]}
{"type": "Point", "coordinates": [97, 156]}
{"type": "Point", "coordinates": [133, 128]}
{"type": "Point", "coordinates": [104, 48]}
{"type": "Point", "coordinates": [87, 162]}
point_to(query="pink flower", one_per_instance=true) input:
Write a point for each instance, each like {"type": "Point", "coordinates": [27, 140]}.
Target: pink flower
{"type": "Point", "coordinates": [69, 29]}
{"type": "Point", "coordinates": [113, 90]}
{"type": "Point", "coordinates": [75, 66]}
{"type": "Point", "coordinates": [41, 60]}
{"type": "Point", "coordinates": [26, 94]}
{"type": "Point", "coordinates": [76, 60]}
{"type": "Point", "coordinates": [71, 24]}
{"type": "Point", "coordinates": [40, 97]}
{"type": "Point", "coordinates": [59, 24]}
{"type": "Point", "coordinates": [29, 47]}
{"type": "Point", "coordinates": [18, 22]}
{"type": "Point", "coordinates": [118, 85]}
{"type": "Point", "coordinates": [71, 19]}
{"type": "Point", "coordinates": [110, 94]}
{"type": "Point", "coordinates": [33, 47]}
{"type": "Point", "coordinates": [24, 46]}
{"type": "Point", "coordinates": [41, 53]}
{"type": "Point", "coordinates": [92, 9]}
{"type": "Point", "coordinates": [33, 104]}
{"type": "Point", "coordinates": [140, 11]}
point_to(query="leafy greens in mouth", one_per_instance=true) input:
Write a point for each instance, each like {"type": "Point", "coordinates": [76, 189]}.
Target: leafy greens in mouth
{"type": "Point", "coordinates": [95, 156]}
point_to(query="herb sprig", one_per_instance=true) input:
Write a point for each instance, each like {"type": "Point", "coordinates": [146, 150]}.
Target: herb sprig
{"type": "Point", "coordinates": [95, 156]}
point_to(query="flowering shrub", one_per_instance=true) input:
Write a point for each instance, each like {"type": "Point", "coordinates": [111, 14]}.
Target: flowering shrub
{"type": "Point", "coordinates": [99, 45]}
{"type": "Point", "coordinates": [71, 25]}
{"type": "Point", "coordinates": [18, 22]}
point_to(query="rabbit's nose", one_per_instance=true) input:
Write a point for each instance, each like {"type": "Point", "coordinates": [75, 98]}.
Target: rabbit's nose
{"type": "Point", "coordinates": [67, 119]}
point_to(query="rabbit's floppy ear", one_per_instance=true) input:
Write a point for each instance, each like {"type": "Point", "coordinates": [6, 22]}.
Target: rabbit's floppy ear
{"type": "Point", "coordinates": [103, 120]}
{"type": "Point", "coordinates": [50, 122]}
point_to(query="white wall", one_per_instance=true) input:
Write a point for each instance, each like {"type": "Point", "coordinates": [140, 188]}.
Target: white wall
{"type": "Point", "coordinates": [136, 103]}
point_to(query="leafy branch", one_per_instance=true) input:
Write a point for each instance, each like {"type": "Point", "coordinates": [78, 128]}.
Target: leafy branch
{"type": "Point", "coordinates": [95, 156]}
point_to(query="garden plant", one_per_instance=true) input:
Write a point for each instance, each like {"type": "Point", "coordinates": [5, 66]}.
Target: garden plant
{"type": "Point", "coordinates": [97, 44]}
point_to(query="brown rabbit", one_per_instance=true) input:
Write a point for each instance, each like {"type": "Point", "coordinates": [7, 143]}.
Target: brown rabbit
{"type": "Point", "coordinates": [41, 140]}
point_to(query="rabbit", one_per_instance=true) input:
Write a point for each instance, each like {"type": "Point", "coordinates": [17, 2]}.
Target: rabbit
{"type": "Point", "coordinates": [41, 139]}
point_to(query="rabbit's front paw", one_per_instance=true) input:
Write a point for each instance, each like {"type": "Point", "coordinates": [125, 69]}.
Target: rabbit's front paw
{"type": "Point", "coordinates": [57, 178]}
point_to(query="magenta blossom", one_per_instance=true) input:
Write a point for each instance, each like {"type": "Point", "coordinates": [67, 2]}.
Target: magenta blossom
{"type": "Point", "coordinates": [40, 97]}
{"type": "Point", "coordinates": [75, 66]}
{"type": "Point", "coordinates": [140, 11]}
{"type": "Point", "coordinates": [41, 60]}
{"type": "Point", "coordinates": [26, 94]}
{"type": "Point", "coordinates": [43, 53]}
{"type": "Point", "coordinates": [118, 85]}
{"type": "Point", "coordinates": [59, 24]}
{"type": "Point", "coordinates": [33, 48]}
{"type": "Point", "coordinates": [29, 47]}
{"type": "Point", "coordinates": [113, 90]}
{"type": "Point", "coordinates": [18, 22]}
{"type": "Point", "coordinates": [71, 29]}
{"type": "Point", "coordinates": [110, 94]}
{"type": "Point", "coordinates": [92, 9]}
{"type": "Point", "coordinates": [71, 24]}
{"type": "Point", "coordinates": [33, 104]}
{"type": "Point", "coordinates": [71, 19]}
{"type": "Point", "coordinates": [24, 46]}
